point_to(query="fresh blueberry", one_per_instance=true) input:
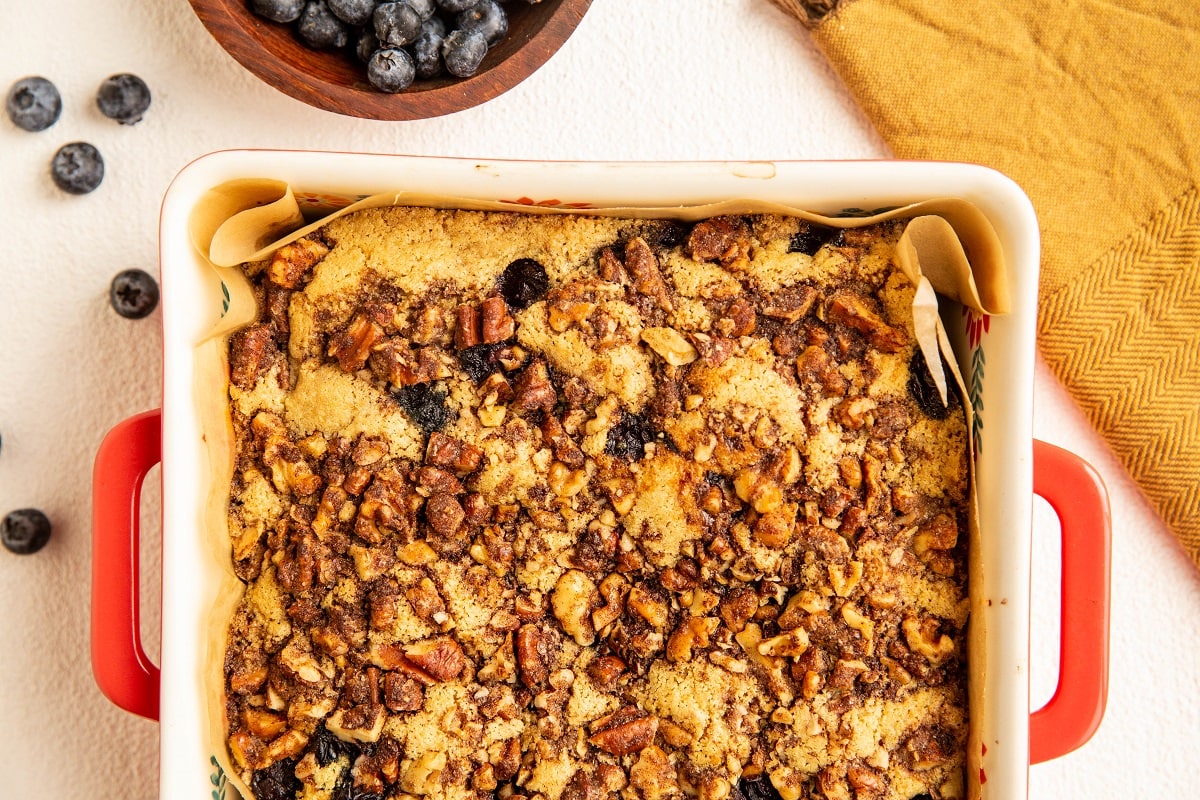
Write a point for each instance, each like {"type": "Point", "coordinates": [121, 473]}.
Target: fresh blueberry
{"type": "Point", "coordinates": [77, 168]}
{"type": "Point", "coordinates": [396, 24]}
{"type": "Point", "coordinates": [278, 10]}
{"type": "Point", "coordinates": [427, 51]}
{"type": "Point", "coordinates": [436, 25]}
{"type": "Point", "coordinates": [124, 98]}
{"type": "Point", "coordinates": [25, 531]}
{"type": "Point", "coordinates": [455, 6]}
{"type": "Point", "coordinates": [133, 293]}
{"type": "Point", "coordinates": [320, 29]}
{"type": "Point", "coordinates": [352, 12]}
{"type": "Point", "coordinates": [462, 51]}
{"type": "Point", "coordinates": [487, 17]}
{"type": "Point", "coordinates": [33, 104]}
{"type": "Point", "coordinates": [425, 8]}
{"type": "Point", "coordinates": [391, 70]}
{"type": "Point", "coordinates": [368, 43]}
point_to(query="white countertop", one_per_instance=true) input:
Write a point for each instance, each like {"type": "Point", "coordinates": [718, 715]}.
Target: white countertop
{"type": "Point", "coordinates": [640, 80]}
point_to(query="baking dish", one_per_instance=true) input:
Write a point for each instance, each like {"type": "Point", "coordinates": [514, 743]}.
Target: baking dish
{"type": "Point", "coordinates": [996, 357]}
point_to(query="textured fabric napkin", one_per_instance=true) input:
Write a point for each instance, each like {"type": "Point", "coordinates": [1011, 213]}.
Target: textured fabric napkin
{"type": "Point", "coordinates": [1093, 107]}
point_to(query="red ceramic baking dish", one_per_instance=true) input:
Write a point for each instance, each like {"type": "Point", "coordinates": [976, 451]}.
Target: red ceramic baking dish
{"type": "Point", "coordinates": [996, 358]}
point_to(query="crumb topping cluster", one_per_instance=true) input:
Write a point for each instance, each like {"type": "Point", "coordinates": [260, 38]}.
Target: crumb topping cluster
{"type": "Point", "coordinates": [566, 506]}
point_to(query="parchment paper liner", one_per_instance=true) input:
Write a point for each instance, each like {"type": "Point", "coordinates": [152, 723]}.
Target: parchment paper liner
{"type": "Point", "coordinates": [948, 248]}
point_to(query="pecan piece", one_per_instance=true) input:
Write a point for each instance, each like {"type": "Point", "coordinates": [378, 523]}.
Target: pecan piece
{"type": "Point", "coordinates": [534, 390]}
{"type": "Point", "coordinates": [573, 600]}
{"type": "Point", "coordinates": [442, 658]}
{"type": "Point", "coordinates": [724, 239]}
{"type": "Point", "coordinates": [252, 353]}
{"type": "Point", "coordinates": [642, 264]}
{"type": "Point", "coordinates": [293, 261]}
{"type": "Point", "coordinates": [496, 324]}
{"type": "Point", "coordinates": [533, 655]}
{"type": "Point", "coordinates": [352, 345]}
{"type": "Point", "coordinates": [466, 327]}
{"type": "Point", "coordinates": [402, 693]}
{"type": "Point", "coordinates": [446, 451]}
{"type": "Point", "coordinates": [444, 513]}
{"type": "Point", "coordinates": [627, 730]}
{"type": "Point", "coordinates": [851, 309]}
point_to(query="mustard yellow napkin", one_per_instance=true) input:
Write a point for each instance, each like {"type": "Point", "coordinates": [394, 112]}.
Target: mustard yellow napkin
{"type": "Point", "coordinates": [1093, 107]}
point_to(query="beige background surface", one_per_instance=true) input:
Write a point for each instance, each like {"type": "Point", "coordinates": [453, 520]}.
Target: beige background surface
{"type": "Point", "coordinates": [641, 79]}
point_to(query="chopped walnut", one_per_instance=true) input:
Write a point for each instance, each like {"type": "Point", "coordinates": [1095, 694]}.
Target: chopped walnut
{"type": "Point", "coordinates": [625, 731]}
{"type": "Point", "coordinates": [292, 262]}
{"type": "Point", "coordinates": [852, 310]}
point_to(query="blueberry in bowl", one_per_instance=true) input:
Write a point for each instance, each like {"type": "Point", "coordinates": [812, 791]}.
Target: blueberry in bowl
{"type": "Point", "coordinates": [332, 55]}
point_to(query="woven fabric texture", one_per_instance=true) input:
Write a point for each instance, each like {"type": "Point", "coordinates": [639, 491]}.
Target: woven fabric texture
{"type": "Point", "coordinates": [1093, 107]}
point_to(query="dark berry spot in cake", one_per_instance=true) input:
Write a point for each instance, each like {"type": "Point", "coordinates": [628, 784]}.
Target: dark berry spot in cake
{"type": "Point", "coordinates": [328, 747]}
{"type": "Point", "coordinates": [812, 237]}
{"type": "Point", "coordinates": [425, 404]}
{"type": "Point", "coordinates": [755, 789]}
{"type": "Point", "coordinates": [670, 234]}
{"type": "Point", "coordinates": [479, 361]}
{"type": "Point", "coordinates": [276, 782]}
{"type": "Point", "coordinates": [629, 437]}
{"type": "Point", "coordinates": [923, 390]}
{"type": "Point", "coordinates": [523, 283]}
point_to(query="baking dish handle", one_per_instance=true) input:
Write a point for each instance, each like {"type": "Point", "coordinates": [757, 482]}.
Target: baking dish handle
{"type": "Point", "coordinates": [1077, 494]}
{"type": "Point", "coordinates": [119, 662]}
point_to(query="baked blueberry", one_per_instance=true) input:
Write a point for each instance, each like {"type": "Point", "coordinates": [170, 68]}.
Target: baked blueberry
{"type": "Point", "coordinates": [33, 104]}
{"type": "Point", "coordinates": [523, 283]}
{"type": "Point", "coordinates": [487, 17]}
{"type": "Point", "coordinates": [755, 789]}
{"type": "Point", "coordinates": [924, 391]}
{"type": "Point", "coordinates": [629, 437]}
{"type": "Point", "coordinates": [133, 293]}
{"type": "Point", "coordinates": [123, 97]}
{"type": "Point", "coordinates": [396, 24]}
{"type": "Point", "coordinates": [276, 782]}
{"type": "Point", "coordinates": [77, 168]}
{"type": "Point", "coordinates": [320, 29]}
{"type": "Point", "coordinates": [480, 360]}
{"type": "Point", "coordinates": [352, 12]}
{"type": "Point", "coordinates": [25, 531]}
{"type": "Point", "coordinates": [391, 70]}
{"type": "Point", "coordinates": [278, 10]}
{"type": "Point", "coordinates": [425, 404]}
{"type": "Point", "coordinates": [462, 51]}
{"type": "Point", "coordinates": [812, 237]}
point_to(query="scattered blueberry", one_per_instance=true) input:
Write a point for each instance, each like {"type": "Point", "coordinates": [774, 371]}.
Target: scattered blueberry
{"type": "Point", "coordinates": [278, 10]}
{"type": "Point", "coordinates": [124, 98]}
{"type": "Point", "coordinates": [455, 6]}
{"type": "Point", "coordinates": [811, 238]}
{"type": "Point", "coordinates": [77, 168]}
{"type": "Point", "coordinates": [133, 293]}
{"type": "Point", "coordinates": [320, 29]}
{"type": "Point", "coordinates": [427, 51]}
{"type": "Point", "coordinates": [523, 283]}
{"type": "Point", "coordinates": [33, 104]}
{"type": "Point", "coordinates": [462, 51]}
{"type": "Point", "coordinates": [396, 24]}
{"type": "Point", "coordinates": [25, 531]}
{"type": "Point", "coordinates": [629, 437]}
{"type": "Point", "coordinates": [425, 404]}
{"type": "Point", "coordinates": [487, 17]}
{"type": "Point", "coordinates": [352, 12]}
{"type": "Point", "coordinates": [391, 70]}
{"type": "Point", "coordinates": [435, 25]}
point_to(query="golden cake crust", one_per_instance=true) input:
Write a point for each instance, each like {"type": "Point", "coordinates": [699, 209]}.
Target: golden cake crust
{"type": "Point", "coordinates": [569, 506]}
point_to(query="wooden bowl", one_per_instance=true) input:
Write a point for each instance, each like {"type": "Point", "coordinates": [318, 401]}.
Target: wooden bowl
{"type": "Point", "coordinates": [335, 80]}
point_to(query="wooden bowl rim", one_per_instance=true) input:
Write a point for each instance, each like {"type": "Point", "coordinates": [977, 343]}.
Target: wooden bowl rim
{"type": "Point", "coordinates": [234, 19]}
